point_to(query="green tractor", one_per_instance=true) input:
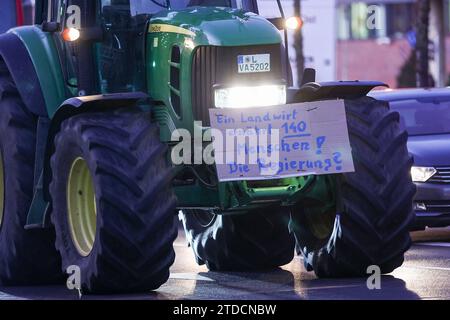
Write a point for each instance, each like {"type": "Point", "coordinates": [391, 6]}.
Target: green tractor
{"type": "Point", "coordinates": [89, 99]}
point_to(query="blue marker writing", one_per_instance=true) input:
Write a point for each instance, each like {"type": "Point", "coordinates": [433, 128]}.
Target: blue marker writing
{"type": "Point", "coordinates": [320, 141]}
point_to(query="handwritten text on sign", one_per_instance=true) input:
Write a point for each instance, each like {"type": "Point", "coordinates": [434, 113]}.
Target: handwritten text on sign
{"type": "Point", "coordinates": [281, 141]}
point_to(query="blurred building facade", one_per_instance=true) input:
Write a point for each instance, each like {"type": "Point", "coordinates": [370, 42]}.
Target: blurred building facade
{"type": "Point", "coordinates": [365, 39]}
{"type": "Point", "coordinates": [16, 13]}
{"type": "Point", "coordinates": [382, 52]}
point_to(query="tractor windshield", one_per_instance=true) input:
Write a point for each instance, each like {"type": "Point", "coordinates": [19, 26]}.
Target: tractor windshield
{"type": "Point", "coordinates": [208, 3]}
{"type": "Point", "coordinates": [153, 6]}
{"type": "Point", "coordinates": [205, 3]}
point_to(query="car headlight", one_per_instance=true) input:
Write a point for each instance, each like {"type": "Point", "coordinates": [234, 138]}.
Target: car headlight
{"type": "Point", "coordinates": [246, 97]}
{"type": "Point", "coordinates": [422, 174]}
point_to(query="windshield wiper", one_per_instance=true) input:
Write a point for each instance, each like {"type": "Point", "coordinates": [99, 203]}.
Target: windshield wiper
{"type": "Point", "coordinates": [165, 6]}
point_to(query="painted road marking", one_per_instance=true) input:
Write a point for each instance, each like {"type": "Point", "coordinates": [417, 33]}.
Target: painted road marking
{"type": "Point", "coordinates": [427, 268]}
{"type": "Point", "coordinates": [181, 244]}
{"type": "Point", "coordinates": [189, 276]}
{"type": "Point", "coordinates": [5, 296]}
{"type": "Point", "coordinates": [434, 244]}
{"type": "Point", "coordinates": [332, 287]}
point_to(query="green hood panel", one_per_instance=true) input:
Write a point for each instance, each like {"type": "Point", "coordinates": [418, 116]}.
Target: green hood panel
{"type": "Point", "coordinates": [220, 26]}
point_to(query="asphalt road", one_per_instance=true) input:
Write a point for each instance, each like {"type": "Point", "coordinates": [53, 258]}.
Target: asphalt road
{"type": "Point", "coordinates": [424, 275]}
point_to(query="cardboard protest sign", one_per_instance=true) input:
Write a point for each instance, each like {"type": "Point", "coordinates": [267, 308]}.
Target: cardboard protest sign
{"type": "Point", "coordinates": [281, 141]}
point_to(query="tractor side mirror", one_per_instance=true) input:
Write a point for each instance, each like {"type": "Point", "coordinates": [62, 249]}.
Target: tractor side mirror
{"type": "Point", "coordinates": [309, 75]}
{"type": "Point", "coordinates": [50, 26]}
{"type": "Point", "coordinates": [277, 22]}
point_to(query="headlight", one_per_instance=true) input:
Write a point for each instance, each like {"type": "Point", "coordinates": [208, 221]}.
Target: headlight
{"type": "Point", "coordinates": [246, 97]}
{"type": "Point", "coordinates": [422, 174]}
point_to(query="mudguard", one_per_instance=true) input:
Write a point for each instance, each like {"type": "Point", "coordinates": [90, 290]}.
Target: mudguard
{"type": "Point", "coordinates": [46, 67]}
{"type": "Point", "coordinates": [79, 105]}
{"type": "Point", "coordinates": [17, 59]}
{"type": "Point", "coordinates": [39, 214]}
{"type": "Point", "coordinates": [314, 91]}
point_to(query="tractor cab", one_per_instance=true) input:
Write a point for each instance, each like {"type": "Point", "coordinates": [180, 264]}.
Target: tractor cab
{"type": "Point", "coordinates": [113, 46]}
{"type": "Point", "coordinates": [157, 47]}
{"type": "Point", "coordinates": [125, 24]}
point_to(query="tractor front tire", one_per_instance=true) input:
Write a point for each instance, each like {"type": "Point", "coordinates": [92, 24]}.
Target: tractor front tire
{"type": "Point", "coordinates": [27, 257]}
{"type": "Point", "coordinates": [373, 204]}
{"type": "Point", "coordinates": [250, 241]}
{"type": "Point", "coordinates": [113, 207]}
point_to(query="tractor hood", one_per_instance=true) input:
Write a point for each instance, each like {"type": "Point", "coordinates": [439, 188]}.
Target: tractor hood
{"type": "Point", "coordinates": [217, 26]}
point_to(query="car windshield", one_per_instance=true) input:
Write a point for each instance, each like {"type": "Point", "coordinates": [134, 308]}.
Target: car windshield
{"type": "Point", "coordinates": [424, 117]}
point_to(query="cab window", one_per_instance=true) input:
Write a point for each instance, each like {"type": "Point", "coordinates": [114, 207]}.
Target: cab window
{"type": "Point", "coordinates": [55, 10]}
{"type": "Point", "coordinates": [204, 3]}
{"type": "Point", "coordinates": [154, 6]}
{"type": "Point", "coordinates": [122, 52]}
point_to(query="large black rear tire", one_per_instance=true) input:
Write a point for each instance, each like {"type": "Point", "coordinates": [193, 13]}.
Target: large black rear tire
{"type": "Point", "coordinates": [136, 226]}
{"type": "Point", "coordinates": [27, 257]}
{"type": "Point", "coordinates": [374, 204]}
{"type": "Point", "coordinates": [243, 242]}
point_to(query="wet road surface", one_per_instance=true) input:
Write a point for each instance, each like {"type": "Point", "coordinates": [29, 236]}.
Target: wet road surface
{"type": "Point", "coordinates": [424, 275]}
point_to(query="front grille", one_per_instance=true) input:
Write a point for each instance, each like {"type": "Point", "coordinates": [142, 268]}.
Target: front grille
{"type": "Point", "coordinates": [214, 65]}
{"type": "Point", "coordinates": [203, 78]}
{"type": "Point", "coordinates": [441, 176]}
{"type": "Point", "coordinates": [437, 206]}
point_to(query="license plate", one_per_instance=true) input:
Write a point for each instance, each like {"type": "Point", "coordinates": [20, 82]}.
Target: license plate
{"type": "Point", "coordinates": [254, 63]}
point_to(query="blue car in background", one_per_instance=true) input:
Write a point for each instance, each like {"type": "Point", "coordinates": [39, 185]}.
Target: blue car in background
{"type": "Point", "coordinates": [425, 114]}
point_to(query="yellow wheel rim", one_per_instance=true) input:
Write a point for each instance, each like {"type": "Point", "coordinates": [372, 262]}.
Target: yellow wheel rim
{"type": "Point", "coordinates": [2, 189]}
{"type": "Point", "coordinates": [321, 225]}
{"type": "Point", "coordinates": [81, 207]}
